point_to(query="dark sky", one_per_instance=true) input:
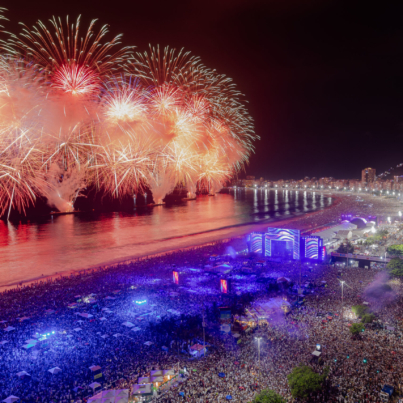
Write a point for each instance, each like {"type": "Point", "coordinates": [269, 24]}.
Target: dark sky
{"type": "Point", "coordinates": [323, 78]}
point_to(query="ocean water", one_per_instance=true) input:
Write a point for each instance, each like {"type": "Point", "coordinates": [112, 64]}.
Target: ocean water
{"type": "Point", "coordinates": [30, 249]}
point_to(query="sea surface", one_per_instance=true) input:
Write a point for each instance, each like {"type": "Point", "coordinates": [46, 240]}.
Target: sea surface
{"type": "Point", "coordinates": [30, 249]}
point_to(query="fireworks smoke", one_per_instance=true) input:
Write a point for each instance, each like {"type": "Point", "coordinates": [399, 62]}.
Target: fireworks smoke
{"type": "Point", "coordinates": [379, 293]}
{"type": "Point", "coordinates": [81, 111]}
{"type": "Point", "coordinates": [63, 187]}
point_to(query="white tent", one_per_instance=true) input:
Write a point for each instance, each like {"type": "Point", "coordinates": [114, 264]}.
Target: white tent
{"type": "Point", "coordinates": [9, 328]}
{"type": "Point", "coordinates": [22, 373]}
{"type": "Point", "coordinates": [169, 372]}
{"type": "Point", "coordinates": [110, 396]}
{"type": "Point", "coordinates": [117, 335]}
{"type": "Point", "coordinates": [94, 385]}
{"type": "Point", "coordinates": [55, 370]}
{"type": "Point", "coordinates": [77, 329]}
{"type": "Point", "coordinates": [102, 319]}
{"type": "Point", "coordinates": [11, 399]}
{"type": "Point", "coordinates": [135, 329]}
{"type": "Point", "coordinates": [3, 342]}
{"type": "Point", "coordinates": [28, 346]}
{"type": "Point", "coordinates": [316, 353]}
{"type": "Point", "coordinates": [156, 372]}
{"type": "Point", "coordinates": [86, 315]}
{"type": "Point", "coordinates": [128, 324]}
{"type": "Point", "coordinates": [31, 341]}
{"type": "Point", "coordinates": [145, 389]}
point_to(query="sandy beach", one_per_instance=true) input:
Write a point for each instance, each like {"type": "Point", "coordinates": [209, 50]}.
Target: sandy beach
{"type": "Point", "coordinates": [341, 203]}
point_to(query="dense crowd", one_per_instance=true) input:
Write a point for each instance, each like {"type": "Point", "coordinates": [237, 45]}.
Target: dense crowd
{"type": "Point", "coordinates": [171, 318]}
{"type": "Point", "coordinates": [351, 203]}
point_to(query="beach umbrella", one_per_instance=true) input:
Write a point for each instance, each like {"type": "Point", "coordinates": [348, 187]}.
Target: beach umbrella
{"type": "Point", "coordinates": [228, 397]}
{"type": "Point", "coordinates": [11, 399]}
{"type": "Point", "coordinates": [221, 374]}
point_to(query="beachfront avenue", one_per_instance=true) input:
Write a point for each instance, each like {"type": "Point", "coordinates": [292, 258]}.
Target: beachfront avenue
{"type": "Point", "coordinates": [69, 338]}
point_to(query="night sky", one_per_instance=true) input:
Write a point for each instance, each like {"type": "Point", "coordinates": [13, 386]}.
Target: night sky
{"type": "Point", "coordinates": [323, 78]}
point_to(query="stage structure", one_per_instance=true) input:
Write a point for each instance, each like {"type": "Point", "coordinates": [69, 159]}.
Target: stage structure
{"type": "Point", "coordinates": [286, 244]}
{"type": "Point", "coordinates": [280, 242]}
{"type": "Point", "coordinates": [275, 242]}
{"type": "Point", "coordinates": [312, 248]}
{"type": "Point", "coordinates": [255, 242]}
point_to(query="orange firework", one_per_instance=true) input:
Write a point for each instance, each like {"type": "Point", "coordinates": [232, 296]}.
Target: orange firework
{"type": "Point", "coordinates": [124, 102]}
{"type": "Point", "coordinates": [75, 65]}
{"type": "Point", "coordinates": [75, 112]}
{"type": "Point", "coordinates": [76, 80]}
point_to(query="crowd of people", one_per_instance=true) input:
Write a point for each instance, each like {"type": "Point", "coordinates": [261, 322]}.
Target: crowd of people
{"type": "Point", "coordinates": [86, 316]}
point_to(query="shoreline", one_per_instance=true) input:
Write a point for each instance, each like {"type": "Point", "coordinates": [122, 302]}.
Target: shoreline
{"type": "Point", "coordinates": [245, 229]}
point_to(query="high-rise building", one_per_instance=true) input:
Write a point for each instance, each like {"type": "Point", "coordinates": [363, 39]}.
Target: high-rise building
{"type": "Point", "coordinates": [368, 175]}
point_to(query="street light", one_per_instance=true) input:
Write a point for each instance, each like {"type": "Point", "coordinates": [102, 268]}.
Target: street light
{"type": "Point", "coordinates": [258, 346]}
{"type": "Point", "coordinates": [342, 303]}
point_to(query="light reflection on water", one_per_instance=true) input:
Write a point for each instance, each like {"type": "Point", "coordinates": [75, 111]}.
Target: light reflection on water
{"type": "Point", "coordinates": [72, 242]}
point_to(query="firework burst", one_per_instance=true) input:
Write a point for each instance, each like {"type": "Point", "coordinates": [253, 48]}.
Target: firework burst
{"type": "Point", "coordinates": [77, 112]}
{"type": "Point", "coordinates": [74, 64]}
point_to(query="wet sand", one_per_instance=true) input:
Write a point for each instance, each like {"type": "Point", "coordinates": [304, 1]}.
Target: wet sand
{"type": "Point", "coordinates": [215, 235]}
